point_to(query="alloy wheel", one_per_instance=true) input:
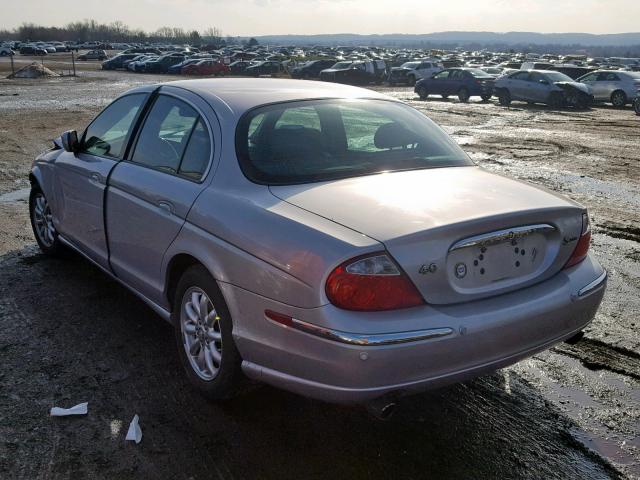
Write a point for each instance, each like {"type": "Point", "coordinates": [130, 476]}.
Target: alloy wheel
{"type": "Point", "coordinates": [201, 333]}
{"type": "Point", "coordinates": [43, 220]}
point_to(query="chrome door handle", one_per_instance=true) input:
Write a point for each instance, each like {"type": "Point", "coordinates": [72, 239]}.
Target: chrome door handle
{"type": "Point", "coordinates": [165, 206]}
{"type": "Point", "coordinates": [96, 178]}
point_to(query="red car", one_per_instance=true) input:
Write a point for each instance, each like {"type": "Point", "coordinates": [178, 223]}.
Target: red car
{"type": "Point", "coordinates": [206, 67]}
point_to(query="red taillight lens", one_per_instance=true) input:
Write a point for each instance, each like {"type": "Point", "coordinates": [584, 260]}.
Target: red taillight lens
{"type": "Point", "coordinates": [582, 248]}
{"type": "Point", "coordinates": [371, 283]}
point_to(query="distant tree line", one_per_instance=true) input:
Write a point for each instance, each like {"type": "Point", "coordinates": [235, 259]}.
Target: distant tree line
{"type": "Point", "coordinates": [90, 30]}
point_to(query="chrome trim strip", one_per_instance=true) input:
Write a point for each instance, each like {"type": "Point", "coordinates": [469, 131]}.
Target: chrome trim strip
{"type": "Point", "coordinates": [501, 235]}
{"type": "Point", "coordinates": [593, 285]}
{"type": "Point", "coordinates": [373, 340]}
{"type": "Point", "coordinates": [163, 313]}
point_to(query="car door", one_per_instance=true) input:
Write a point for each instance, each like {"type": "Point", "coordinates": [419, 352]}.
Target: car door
{"type": "Point", "coordinates": [518, 86]}
{"type": "Point", "coordinates": [609, 84]}
{"type": "Point", "coordinates": [151, 192]}
{"type": "Point", "coordinates": [80, 178]}
{"type": "Point", "coordinates": [436, 84]}
{"type": "Point", "coordinates": [454, 82]}
{"type": "Point", "coordinates": [592, 80]}
{"type": "Point", "coordinates": [538, 88]}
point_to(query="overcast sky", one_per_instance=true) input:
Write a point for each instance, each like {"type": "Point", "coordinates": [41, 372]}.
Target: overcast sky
{"type": "Point", "coordinates": [260, 17]}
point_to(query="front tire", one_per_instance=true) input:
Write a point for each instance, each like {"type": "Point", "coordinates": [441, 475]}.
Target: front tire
{"type": "Point", "coordinates": [203, 332]}
{"type": "Point", "coordinates": [504, 98]}
{"type": "Point", "coordinates": [619, 99]}
{"type": "Point", "coordinates": [556, 100]}
{"type": "Point", "coordinates": [42, 223]}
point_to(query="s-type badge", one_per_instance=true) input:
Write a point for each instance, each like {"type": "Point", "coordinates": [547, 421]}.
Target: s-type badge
{"type": "Point", "coordinates": [461, 270]}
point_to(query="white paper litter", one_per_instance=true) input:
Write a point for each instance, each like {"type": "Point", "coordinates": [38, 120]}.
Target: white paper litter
{"type": "Point", "coordinates": [134, 433]}
{"type": "Point", "coordinates": [80, 409]}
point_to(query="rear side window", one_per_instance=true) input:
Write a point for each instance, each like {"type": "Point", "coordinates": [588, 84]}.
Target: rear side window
{"type": "Point", "coordinates": [173, 139]}
{"type": "Point", "coordinates": [108, 133]}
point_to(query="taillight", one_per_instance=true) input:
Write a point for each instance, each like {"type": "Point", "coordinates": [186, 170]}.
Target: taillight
{"type": "Point", "coordinates": [371, 283]}
{"type": "Point", "coordinates": [582, 248]}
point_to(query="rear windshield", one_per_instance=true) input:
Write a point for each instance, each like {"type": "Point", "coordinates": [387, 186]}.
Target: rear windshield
{"type": "Point", "coordinates": [320, 140]}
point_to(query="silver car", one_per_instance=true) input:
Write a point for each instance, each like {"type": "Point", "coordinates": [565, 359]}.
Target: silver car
{"type": "Point", "coordinates": [542, 86]}
{"type": "Point", "coordinates": [325, 239]}
{"type": "Point", "coordinates": [617, 87]}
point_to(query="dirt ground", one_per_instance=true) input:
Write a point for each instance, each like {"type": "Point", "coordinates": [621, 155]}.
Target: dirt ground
{"type": "Point", "coordinates": [68, 335]}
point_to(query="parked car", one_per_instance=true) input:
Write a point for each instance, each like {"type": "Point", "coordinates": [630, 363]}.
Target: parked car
{"type": "Point", "coordinates": [138, 65]}
{"type": "Point", "coordinates": [206, 67]}
{"type": "Point", "coordinates": [411, 72]}
{"type": "Point", "coordinates": [617, 87]}
{"type": "Point", "coordinates": [263, 68]}
{"type": "Point", "coordinates": [32, 50]}
{"type": "Point", "coordinates": [463, 82]}
{"type": "Point", "coordinates": [247, 213]}
{"type": "Point", "coordinates": [311, 69]}
{"type": "Point", "coordinates": [6, 51]}
{"type": "Point", "coordinates": [239, 67]}
{"type": "Point", "coordinates": [162, 64]}
{"type": "Point", "coordinates": [93, 55]}
{"type": "Point", "coordinates": [177, 68]}
{"type": "Point", "coordinates": [543, 86]}
{"type": "Point", "coordinates": [356, 73]}
{"type": "Point", "coordinates": [118, 61]}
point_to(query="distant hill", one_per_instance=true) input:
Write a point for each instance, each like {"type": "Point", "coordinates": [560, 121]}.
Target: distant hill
{"type": "Point", "coordinates": [459, 38]}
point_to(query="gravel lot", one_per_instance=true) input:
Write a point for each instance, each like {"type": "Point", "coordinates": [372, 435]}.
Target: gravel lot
{"type": "Point", "coordinates": [69, 335]}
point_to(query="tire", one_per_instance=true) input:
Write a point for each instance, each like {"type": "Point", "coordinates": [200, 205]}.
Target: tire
{"type": "Point", "coordinates": [422, 92]}
{"type": "Point", "coordinates": [504, 97]}
{"type": "Point", "coordinates": [636, 106]}
{"type": "Point", "coordinates": [485, 98]}
{"type": "Point", "coordinates": [216, 373]}
{"type": "Point", "coordinates": [3, 54]}
{"type": "Point", "coordinates": [463, 95]}
{"type": "Point", "coordinates": [556, 100]}
{"type": "Point", "coordinates": [42, 223]}
{"type": "Point", "coordinates": [619, 99]}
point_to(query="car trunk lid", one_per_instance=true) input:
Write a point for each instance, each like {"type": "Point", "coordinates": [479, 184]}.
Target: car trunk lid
{"type": "Point", "coordinates": [460, 233]}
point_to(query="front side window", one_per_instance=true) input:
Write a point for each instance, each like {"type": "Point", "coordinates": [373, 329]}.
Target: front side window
{"type": "Point", "coordinates": [168, 129]}
{"type": "Point", "coordinates": [320, 140]}
{"type": "Point", "coordinates": [106, 136]}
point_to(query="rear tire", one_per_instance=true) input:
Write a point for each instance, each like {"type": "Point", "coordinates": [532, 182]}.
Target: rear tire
{"type": "Point", "coordinates": [504, 98]}
{"type": "Point", "coordinates": [619, 99]}
{"type": "Point", "coordinates": [463, 95]}
{"type": "Point", "coordinates": [636, 106]}
{"type": "Point", "coordinates": [422, 92]}
{"type": "Point", "coordinates": [203, 332]}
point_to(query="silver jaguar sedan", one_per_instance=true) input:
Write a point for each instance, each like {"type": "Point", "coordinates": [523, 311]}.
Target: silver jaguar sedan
{"type": "Point", "coordinates": [325, 239]}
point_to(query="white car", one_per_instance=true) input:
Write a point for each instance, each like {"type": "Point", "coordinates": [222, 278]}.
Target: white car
{"type": "Point", "coordinates": [615, 86]}
{"type": "Point", "coordinates": [411, 72]}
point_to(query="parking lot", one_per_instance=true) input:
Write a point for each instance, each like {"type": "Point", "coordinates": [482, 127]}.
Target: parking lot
{"type": "Point", "coordinates": [70, 335]}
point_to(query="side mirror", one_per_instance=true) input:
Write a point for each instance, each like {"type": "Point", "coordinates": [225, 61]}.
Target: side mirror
{"type": "Point", "coordinates": [70, 141]}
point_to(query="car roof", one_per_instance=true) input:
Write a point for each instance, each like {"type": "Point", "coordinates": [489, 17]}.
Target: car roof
{"type": "Point", "coordinates": [242, 94]}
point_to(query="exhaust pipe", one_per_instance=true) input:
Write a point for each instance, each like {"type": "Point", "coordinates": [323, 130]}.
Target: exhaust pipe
{"type": "Point", "coordinates": [382, 408]}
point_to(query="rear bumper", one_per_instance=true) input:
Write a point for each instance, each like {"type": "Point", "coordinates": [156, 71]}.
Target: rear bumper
{"type": "Point", "coordinates": [473, 339]}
